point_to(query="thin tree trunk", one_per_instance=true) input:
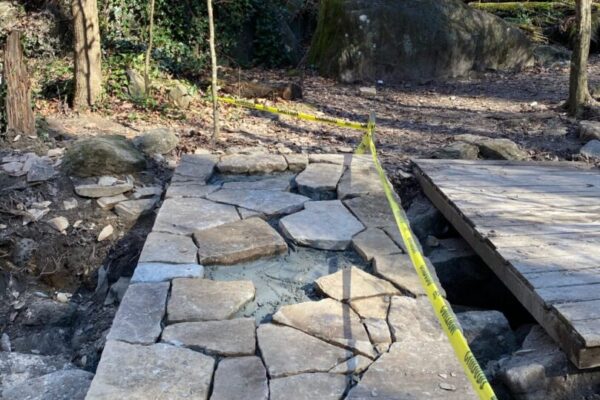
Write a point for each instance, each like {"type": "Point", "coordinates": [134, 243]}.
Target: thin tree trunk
{"type": "Point", "coordinates": [579, 95]}
{"type": "Point", "coordinates": [18, 95]}
{"type": "Point", "coordinates": [149, 49]}
{"type": "Point", "coordinates": [213, 60]}
{"type": "Point", "coordinates": [88, 58]}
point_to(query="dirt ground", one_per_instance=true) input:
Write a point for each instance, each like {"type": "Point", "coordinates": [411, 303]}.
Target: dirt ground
{"type": "Point", "coordinates": [413, 120]}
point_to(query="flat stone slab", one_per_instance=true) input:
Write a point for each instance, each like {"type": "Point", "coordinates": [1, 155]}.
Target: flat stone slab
{"type": "Point", "coordinates": [168, 248]}
{"type": "Point", "coordinates": [196, 168]}
{"type": "Point", "coordinates": [372, 242]}
{"type": "Point", "coordinates": [354, 160]}
{"type": "Point", "coordinates": [206, 300]}
{"type": "Point", "coordinates": [372, 211]}
{"type": "Point", "coordinates": [355, 365]}
{"type": "Point", "coordinates": [240, 378]}
{"type": "Point", "coordinates": [238, 241]}
{"type": "Point", "coordinates": [97, 190]}
{"type": "Point", "coordinates": [359, 182]}
{"type": "Point", "coordinates": [318, 385]}
{"type": "Point", "coordinates": [132, 209]}
{"type": "Point", "coordinates": [159, 371]}
{"type": "Point", "coordinates": [252, 164]}
{"type": "Point", "coordinates": [372, 307]}
{"type": "Point", "coordinates": [414, 319]}
{"type": "Point", "coordinates": [107, 203]}
{"type": "Point", "coordinates": [409, 371]}
{"type": "Point", "coordinates": [398, 269]}
{"type": "Point", "coordinates": [329, 320]}
{"type": "Point", "coordinates": [233, 337]}
{"type": "Point", "coordinates": [319, 181]}
{"type": "Point", "coordinates": [288, 351]}
{"type": "Point", "coordinates": [279, 183]}
{"type": "Point", "coordinates": [326, 225]}
{"type": "Point", "coordinates": [163, 272]}
{"type": "Point", "coordinates": [270, 203]}
{"type": "Point", "coordinates": [296, 162]}
{"type": "Point", "coordinates": [184, 216]}
{"type": "Point", "coordinates": [378, 329]}
{"type": "Point", "coordinates": [140, 314]}
{"type": "Point", "coordinates": [353, 283]}
{"type": "Point", "coordinates": [190, 190]}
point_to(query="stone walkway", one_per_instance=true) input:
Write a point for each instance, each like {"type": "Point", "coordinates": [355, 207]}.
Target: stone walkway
{"type": "Point", "coordinates": [281, 283]}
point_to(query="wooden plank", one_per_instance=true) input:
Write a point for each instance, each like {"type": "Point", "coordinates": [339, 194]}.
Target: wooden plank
{"type": "Point", "coordinates": [536, 229]}
{"type": "Point", "coordinates": [589, 329]}
{"type": "Point", "coordinates": [559, 328]}
{"type": "Point", "coordinates": [582, 310]}
{"type": "Point", "coordinates": [564, 278]}
{"type": "Point", "coordinates": [575, 189]}
{"type": "Point", "coordinates": [555, 239]}
{"type": "Point", "coordinates": [549, 264]}
{"type": "Point", "coordinates": [573, 253]}
{"type": "Point", "coordinates": [569, 294]}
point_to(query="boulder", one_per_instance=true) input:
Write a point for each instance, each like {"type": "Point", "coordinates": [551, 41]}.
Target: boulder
{"type": "Point", "coordinates": [591, 149]}
{"type": "Point", "coordinates": [494, 149]}
{"type": "Point", "coordinates": [459, 151]}
{"type": "Point", "coordinates": [156, 141]}
{"type": "Point", "coordinates": [137, 84]}
{"type": "Point", "coordinates": [179, 96]}
{"type": "Point", "coordinates": [17, 368]}
{"type": "Point", "coordinates": [103, 155]}
{"type": "Point", "coordinates": [589, 130]}
{"type": "Point", "coordinates": [412, 40]}
{"type": "Point", "coordinates": [546, 55]}
{"type": "Point", "coordinates": [488, 334]}
{"type": "Point", "coordinates": [70, 384]}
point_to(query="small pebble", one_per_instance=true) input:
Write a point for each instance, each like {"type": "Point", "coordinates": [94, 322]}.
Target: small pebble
{"type": "Point", "coordinates": [447, 386]}
{"type": "Point", "coordinates": [105, 233]}
{"type": "Point", "coordinates": [63, 297]}
{"type": "Point", "coordinates": [5, 343]}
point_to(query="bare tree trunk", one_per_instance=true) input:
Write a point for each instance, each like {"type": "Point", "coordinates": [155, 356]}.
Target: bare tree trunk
{"type": "Point", "coordinates": [579, 94]}
{"type": "Point", "coordinates": [213, 59]}
{"type": "Point", "coordinates": [149, 49]}
{"type": "Point", "coordinates": [88, 58]}
{"type": "Point", "coordinates": [18, 95]}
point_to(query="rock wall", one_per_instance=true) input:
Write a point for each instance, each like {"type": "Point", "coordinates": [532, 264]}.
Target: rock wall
{"type": "Point", "coordinates": [368, 40]}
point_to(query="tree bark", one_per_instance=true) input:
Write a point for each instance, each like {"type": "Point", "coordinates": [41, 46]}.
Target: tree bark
{"type": "Point", "coordinates": [149, 49]}
{"type": "Point", "coordinates": [213, 60]}
{"type": "Point", "coordinates": [88, 58]}
{"type": "Point", "coordinates": [579, 94]}
{"type": "Point", "coordinates": [20, 118]}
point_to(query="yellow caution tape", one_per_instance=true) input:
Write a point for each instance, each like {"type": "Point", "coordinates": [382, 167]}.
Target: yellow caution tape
{"type": "Point", "coordinates": [443, 312]}
{"type": "Point", "coordinates": [307, 117]}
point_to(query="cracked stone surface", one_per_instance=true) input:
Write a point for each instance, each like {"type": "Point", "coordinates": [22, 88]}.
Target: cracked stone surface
{"type": "Point", "coordinates": [132, 209]}
{"type": "Point", "coordinates": [408, 371]}
{"type": "Point", "coordinates": [319, 181]}
{"type": "Point", "coordinates": [269, 203]}
{"type": "Point", "coordinates": [372, 242]}
{"type": "Point", "coordinates": [252, 164]}
{"type": "Point", "coordinates": [414, 319]}
{"type": "Point", "coordinates": [326, 225]}
{"type": "Point", "coordinates": [355, 365]}
{"type": "Point", "coordinates": [168, 248]}
{"type": "Point", "coordinates": [184, 216]}
{"type": "Point", "coordinates": [239, 241]}
{"type": "Point", "coordinates": [378, 330]}
{"type": "Point", "coordinates": [371, 211]}
{"type": "Point", "coordinates": [354, 283]}
{"type": "Point", "coordinates": [206, 300]}
{"type": "Point", "coordinates": [159, 371]}
{"type": "Point", "coordinates": [288, 351]}
{"type": "Point", "coordinates": [195, 168]}
{"type": "Point", "coordinates": [132, 326]}
{"type": "Point", "coordinates": [359, 182]}
{"type": "Point", "coordinates": [318, 385]}
{"type": "Point", "coordinates": [163, 272]}
{"type": "Point", "coordinates": [240, 378]}
{"type": "Point", "coordinates": [372, 307]}
{"type": "Point", "coordinates": [278, 183]}
{"type": "Point", "coordinates": [296, 162]}
{"type": "Point", "coordinates": [233, 337]}
{"type": "Point", "coordinates": [190, 190]}
{"type": "Point", "coordinates": [329, 320]}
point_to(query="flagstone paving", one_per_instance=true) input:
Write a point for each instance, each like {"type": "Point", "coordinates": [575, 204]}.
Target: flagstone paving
{"type": "Point", "coordinates": [253, 287]}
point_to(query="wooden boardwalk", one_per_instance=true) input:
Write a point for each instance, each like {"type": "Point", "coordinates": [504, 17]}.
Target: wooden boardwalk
{"type": "Point", "coordinates": [537, 226]}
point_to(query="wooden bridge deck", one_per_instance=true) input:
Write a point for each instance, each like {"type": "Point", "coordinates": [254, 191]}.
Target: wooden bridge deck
{"type": "Point", "coordinates": [537, 226]}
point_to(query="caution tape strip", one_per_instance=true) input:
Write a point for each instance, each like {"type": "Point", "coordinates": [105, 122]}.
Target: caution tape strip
{"type": "Point", "coordinates": [307, 117]}
{"type": "Point", "coordinates": [442, 310]}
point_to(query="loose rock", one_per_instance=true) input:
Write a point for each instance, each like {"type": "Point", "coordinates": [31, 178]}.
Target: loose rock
{"type": "Point", "coordinates": [458, 151]}
{"type": "Point", "coordinates": [589, 130]}
{"type": "Point", "coordinates": [70, 384]}
{"type": "Point", "coordinates": [107, 203]}
{"type": "Point", "coordinates": [105, 233]}
{"type": "Point", "coordinates": [60, 224]}
{"type": "Point", "coordinates": [133, 209]}
{"type": "Point", "coordinates": [157, 141]}
{"type": "Point", "coordinates": [494, 149]}
{"type": "Point", "coordinates": [99, 190]}
{"type": "Point", "coordinates": [591, 149]}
